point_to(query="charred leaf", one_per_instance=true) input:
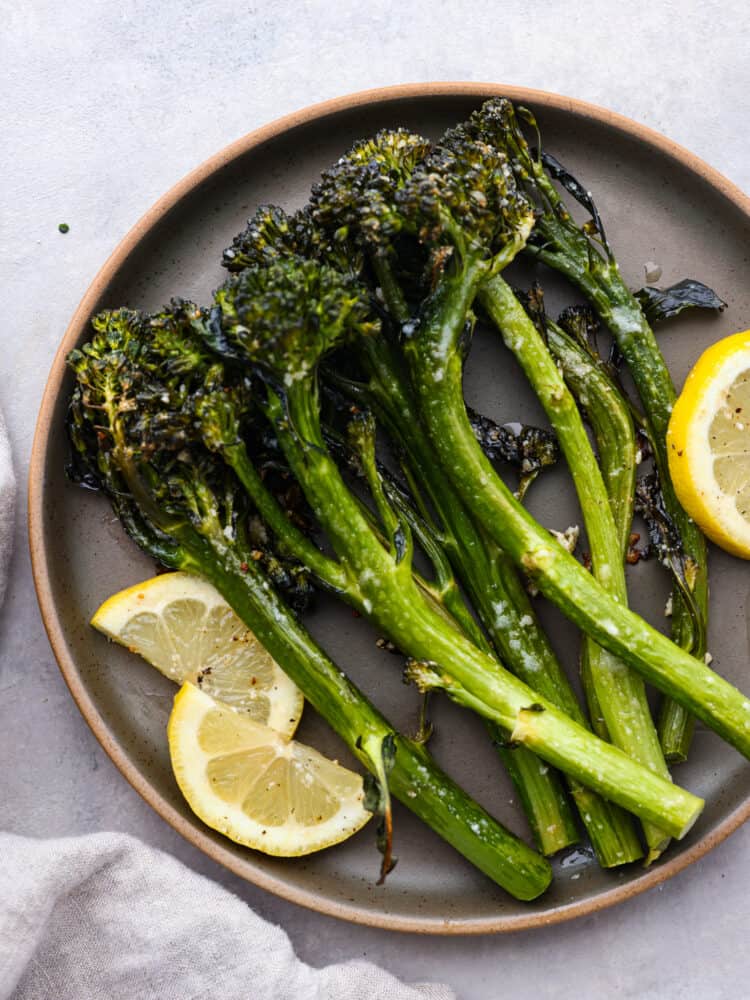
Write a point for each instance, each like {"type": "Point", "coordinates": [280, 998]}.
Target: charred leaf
{"type": "Point", "coordinates": [659, 304]}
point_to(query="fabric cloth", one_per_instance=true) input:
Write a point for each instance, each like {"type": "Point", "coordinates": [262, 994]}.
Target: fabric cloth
{"type": "Point", "coordinates": [104, 917]}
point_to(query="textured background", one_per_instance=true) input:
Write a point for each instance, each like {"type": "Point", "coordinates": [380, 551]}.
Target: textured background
{"type": "Point", "coordinates": [106, 108]}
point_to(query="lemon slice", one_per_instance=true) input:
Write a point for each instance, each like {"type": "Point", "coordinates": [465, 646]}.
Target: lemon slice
{"type": "Point", "coordinates": [182, 625]}
{"type": "Point", "coordinates": [708, 444]}
{"type": "Point", "coordinates": [257, 787]}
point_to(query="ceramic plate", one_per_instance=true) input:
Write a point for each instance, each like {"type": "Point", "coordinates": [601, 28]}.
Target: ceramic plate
{"type": "Point", "coordinates": [659, 203]}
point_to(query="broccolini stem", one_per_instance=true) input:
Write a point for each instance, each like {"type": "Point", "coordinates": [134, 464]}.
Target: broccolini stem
{"type": "Point", "coordinates": [583, 254]}
{"type": "Point", "coordinates": [611, 421]}
{"type": "Point", "coordinates": [289, 538]}
{"type": "Point", "coordinates": [539, 787]}
{"type": "Point", "coordinates": [390, 288]}
{"type": "Point", "coordinates": [619, 309]}
{"type": "Point", "coordinates": [393, 601]}
{"type": "Point", "coordinates": [609, 828]}
{"type": "Point", "coordinates": [537, 727]}
{"type": "Point", "coordinates": [437, 379]}
{"type": "Point", "coordinates": [189, 533]}
{"type": "Point", "coordinates": [541, 792]}
{"type": "Point", "coordinates": [609, 415]}
{"type": "Point", "coordinates": [504, 608]}
{"type": "Point", "coordinates": [620, 692]}
{"type": "Point", "coordinates": [675, 723]}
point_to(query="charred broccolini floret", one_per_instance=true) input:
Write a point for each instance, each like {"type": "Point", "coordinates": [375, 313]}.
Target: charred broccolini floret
{"type": "Point", "coordinates": [355, 198]}
{"type": "Point", "coordinates": [184, 506]}
{"type": "Point", "coordinates": [268, 230]}
{"type": "Point", "coordinates": [463, 197]}
{"type": "Point", "coordinates": [354, 203]}
{"type": "Point", "coordinates": [272, 233]}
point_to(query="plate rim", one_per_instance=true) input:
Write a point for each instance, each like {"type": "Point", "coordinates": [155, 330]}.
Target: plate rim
{"type": "Point", "coordinates": [246, 867]}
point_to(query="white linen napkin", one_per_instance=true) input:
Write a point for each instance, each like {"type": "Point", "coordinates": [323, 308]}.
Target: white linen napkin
{"type": "Point", "coordinates": [104, 917]}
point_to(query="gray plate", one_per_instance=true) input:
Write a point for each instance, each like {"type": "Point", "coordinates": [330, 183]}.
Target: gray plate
{"type": "Point", "coordinates": [658, 203]}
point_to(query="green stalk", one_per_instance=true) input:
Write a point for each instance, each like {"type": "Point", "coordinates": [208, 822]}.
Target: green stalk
{"type": "Point", "coordinates": [537, 726]}
{"type": "Point", "coordinates": [414, 779]}
{"type": "Point", "coordinates": [610, 419]}
{"type": "Point", "coordinates": [609, 828]}
{"type": "Point", "coordinates": [538, 786]}
{"type": "Point", "coordinates": [620, 693]}
{"type": "Point", "coordinates": [602, 283]}
{"type": "Point", "coordinates": [500, 599]}
{"type": "Point", "coordinates": [393, 601]}
{"type": "Point", "coordinates": [612, 424]}
{"type": "Point", "coordinates": [583, 254]}
{"type": "Point", "coordinates": [542, 797]}
{"type": "Point", "coordinates": [541, 793]}
{"type": "Point", "coordinates": [676, 724]}
{"type": "Point", "coordinates": [437, 379]}
{"type": "Point", "coordinates": [184, 508]}
{"type": "Point", "coordinates": [290, 539]}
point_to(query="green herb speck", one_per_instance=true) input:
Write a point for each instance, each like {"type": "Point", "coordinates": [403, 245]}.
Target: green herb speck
{"type": "Point", "coordinates": [64, 227]}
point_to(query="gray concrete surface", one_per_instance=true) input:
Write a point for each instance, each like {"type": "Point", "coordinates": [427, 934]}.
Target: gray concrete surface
{"type": "Point", "coordinates": [106, 105]}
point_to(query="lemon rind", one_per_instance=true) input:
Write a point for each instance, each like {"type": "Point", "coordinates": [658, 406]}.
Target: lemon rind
{"type": "Point", "coordinates": [691, 459]}
{"type": "Point", "coordinates": [154, 595]}
{"type": "Point", "coordinates": [189, 766]}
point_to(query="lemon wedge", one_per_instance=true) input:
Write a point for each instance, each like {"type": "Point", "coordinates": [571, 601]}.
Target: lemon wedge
{"type": "Point", "coordinates": [182, 625]}
{"type": "Point", "coordinates": [708, 444]}
{"type": "Point", "coordinates": [257, 787]}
